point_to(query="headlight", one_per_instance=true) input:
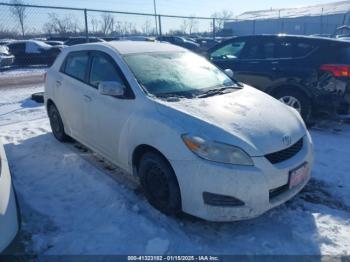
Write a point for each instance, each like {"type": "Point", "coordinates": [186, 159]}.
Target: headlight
{"type": "Point", "coordinates": [217, 152]}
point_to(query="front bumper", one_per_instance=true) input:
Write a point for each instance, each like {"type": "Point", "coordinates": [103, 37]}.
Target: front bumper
{"type": "Point", "coordinates": [251, 185]}
{"type": "Point", "coordinates": [8, 210]}
{"type": "Point", "coordinates": [6, 61]}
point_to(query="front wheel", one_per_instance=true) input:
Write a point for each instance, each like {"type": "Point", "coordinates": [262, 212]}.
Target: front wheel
{"type": "Point", "coordinates": [296, 99]}
{"type": "Point", "coordinates": [57, 124]}
{"type": "Point", "coordinates": [159, 183]}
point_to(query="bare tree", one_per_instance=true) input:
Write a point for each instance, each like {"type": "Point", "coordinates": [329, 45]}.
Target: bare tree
{"type": "Point", "coordinates": [184, 26]}
{"type": "Point", "coordinates": [192, 24]}
{"type": "Point", "coordinates": [224, 14]}
{"type": "Point", "coordinates": [107, 23]}
{"type": "Point", "coordinates": [146, 28]}
{"type": "Point", "coordinates": [94, 24]}
{"type": "Point", "coordinates": [62, 26]}
{"type": "Point", "coordinates": [19, 11]}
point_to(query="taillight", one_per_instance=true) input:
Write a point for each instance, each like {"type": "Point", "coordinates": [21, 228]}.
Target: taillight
{"type": "Point", "coordinates": [337, 70]}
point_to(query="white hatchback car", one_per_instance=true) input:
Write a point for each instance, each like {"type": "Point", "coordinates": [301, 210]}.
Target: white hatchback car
{"type": "Point", "coordinates": [199, 141]}
{"type": "Point", "coordinates": [8, 208]}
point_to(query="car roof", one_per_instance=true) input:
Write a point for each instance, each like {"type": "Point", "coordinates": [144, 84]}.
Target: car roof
{"type": "Point", "coordinates": [133, 47]}
{"type": "Point", "coordinates": [300, 37]}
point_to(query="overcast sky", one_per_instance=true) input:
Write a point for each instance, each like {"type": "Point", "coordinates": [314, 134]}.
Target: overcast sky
{"type": "Point", "coordinates": [181, 7]}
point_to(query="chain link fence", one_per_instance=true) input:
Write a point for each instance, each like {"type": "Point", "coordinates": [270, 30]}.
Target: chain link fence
{"type": "Point", "coordinates": [48, 23]}
{"type": "Point", "coordinates": [33, 21]}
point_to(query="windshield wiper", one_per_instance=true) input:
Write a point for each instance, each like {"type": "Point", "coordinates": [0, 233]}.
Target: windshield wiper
{"type": "Point", "coordinates": [219, 91]}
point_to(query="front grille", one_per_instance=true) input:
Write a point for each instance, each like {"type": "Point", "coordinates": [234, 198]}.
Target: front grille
{"type": "Point", "coordinates": [285, 154]}
{"type": "Point", "coordinates": [273, 193]}
{"type": "Point", "coordinates": [6, 61]}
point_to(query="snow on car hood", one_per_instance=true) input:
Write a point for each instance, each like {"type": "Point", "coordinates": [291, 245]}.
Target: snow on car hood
{"type": "Point", "coordinates": [247, 118]}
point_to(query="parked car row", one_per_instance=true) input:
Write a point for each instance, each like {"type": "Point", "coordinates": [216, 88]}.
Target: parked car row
{"type": "Point", "coordinates": [308, 73]}
{"type": "Point", "coordinates": [36, 51]}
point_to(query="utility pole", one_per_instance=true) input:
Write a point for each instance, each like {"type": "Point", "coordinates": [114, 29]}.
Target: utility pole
{"type": "Point", "coordinates": [322, 21]}
{"type": "Point", "coordinates": [155, 15]}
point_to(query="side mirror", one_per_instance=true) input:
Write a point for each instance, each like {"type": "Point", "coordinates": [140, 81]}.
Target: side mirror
{"type": "Point", "coordinates": [111, 88]}
{"type": "Point", "coordinates": [229, 73]}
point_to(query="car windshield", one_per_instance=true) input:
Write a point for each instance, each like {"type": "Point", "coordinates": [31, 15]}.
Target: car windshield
{"type": "Point", "coordinates": [42, 44]}
{"type": "Point", "coordinates": [176, 73]}
{"type": "Point", "coordinates": [4, 50]}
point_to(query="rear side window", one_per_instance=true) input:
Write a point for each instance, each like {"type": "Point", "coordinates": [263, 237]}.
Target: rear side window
{"type": "Point", "coordinates": [103, 69]}
{"type": "Point", "coordinates": [294, 49]}
{"type": "Point", "coordinates": [76, 65]}
{"type": "Point", "coordinates": [303, 49]}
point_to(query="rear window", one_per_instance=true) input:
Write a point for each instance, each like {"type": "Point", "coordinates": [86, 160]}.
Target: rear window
{"type": "Point", "coordinates": [294, 49]}
{"type": "Point", "coordinates": [76, 65]}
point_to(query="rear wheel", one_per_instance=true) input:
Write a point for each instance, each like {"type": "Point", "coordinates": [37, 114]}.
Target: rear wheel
{"type": "Point", "coordinates": [296, 99]}
{"type": "Point", "coordinates": [57, 124]}
{"type": "Point", "coordinates": [159, 183]}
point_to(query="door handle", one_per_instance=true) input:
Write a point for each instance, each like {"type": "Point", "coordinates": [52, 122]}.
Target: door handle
{"type": "Point", "coordinates": [87, 98]}
{"type": "Point", "coordinates": [58, 83]}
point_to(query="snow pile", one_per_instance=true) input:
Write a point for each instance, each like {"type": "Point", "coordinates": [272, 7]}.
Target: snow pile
{"type": "Point", "coordinates": [341, 7]}
{"type": "Point", "coordinates": [71, 204]}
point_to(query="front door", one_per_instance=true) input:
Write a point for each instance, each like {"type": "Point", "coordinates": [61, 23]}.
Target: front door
{"type": "Point", "coordinates": [106, 116]}
{"type": "Point", "coordinates": [252, 60]}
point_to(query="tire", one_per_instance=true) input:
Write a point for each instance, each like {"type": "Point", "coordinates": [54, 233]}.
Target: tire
{"type": "Point", "coordinates": [296, 99]}
{"type": "Point", "coordinates": [159, 183]}
{"type": "Point", "coordinates": [57, 124]}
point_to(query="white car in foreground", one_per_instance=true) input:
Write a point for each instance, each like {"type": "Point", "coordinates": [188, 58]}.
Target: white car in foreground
{"type": "Point", "coordinates": [199, 142]}
{"type": "Point", "coordinates": [8, 209]}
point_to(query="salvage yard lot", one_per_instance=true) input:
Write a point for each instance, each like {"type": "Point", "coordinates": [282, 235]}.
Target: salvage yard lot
{"type": "Point", "coordinates": [73, 202]}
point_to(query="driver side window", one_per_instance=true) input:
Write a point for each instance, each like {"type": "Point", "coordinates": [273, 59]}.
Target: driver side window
{"type": "Point", "coordinates": [32, 48]}
{"type": "Point", "coordinates": [229, 51]}
{"type": "Point", "coordinates": [103, 69]}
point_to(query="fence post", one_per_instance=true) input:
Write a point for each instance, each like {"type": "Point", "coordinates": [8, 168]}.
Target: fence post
{"type": "Point", "coordinates": [86, 26]}
{"type": "Point", "coordinates": [160, 25]}
{"type": "Point", "coordinates": [321, 22]}
{"type": "Point", "coordinates": [214, 33]}
{"type": "Point", "coordinates": [254, 21]}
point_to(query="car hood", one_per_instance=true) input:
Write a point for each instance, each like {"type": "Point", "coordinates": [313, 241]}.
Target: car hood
{"type": "Point", "coordinates": [248, 118]}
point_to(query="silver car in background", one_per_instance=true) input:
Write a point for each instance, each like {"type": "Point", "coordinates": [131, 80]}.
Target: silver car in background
{"type": "Point", "coordinates": [8, 207]}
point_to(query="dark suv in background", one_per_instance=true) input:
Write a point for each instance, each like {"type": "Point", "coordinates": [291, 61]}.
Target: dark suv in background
{"type": "Point", "coordinates": [33, 52]}
{"type": "Point", "coordinates": [308, 73]}
{"type": "Point", "coordinates": [180, 41]}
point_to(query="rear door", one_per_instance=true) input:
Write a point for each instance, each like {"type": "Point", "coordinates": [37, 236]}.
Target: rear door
{"type": "Point", "coordinates": [70, 86]}
{"type": "Point", "coordinates": [293, 63]}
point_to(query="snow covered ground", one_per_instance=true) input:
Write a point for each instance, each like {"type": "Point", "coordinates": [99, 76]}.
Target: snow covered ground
{"type": "Point", "coordinates": [23, 71]}
{"type": "Point", "coordinates": [74, 203]}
